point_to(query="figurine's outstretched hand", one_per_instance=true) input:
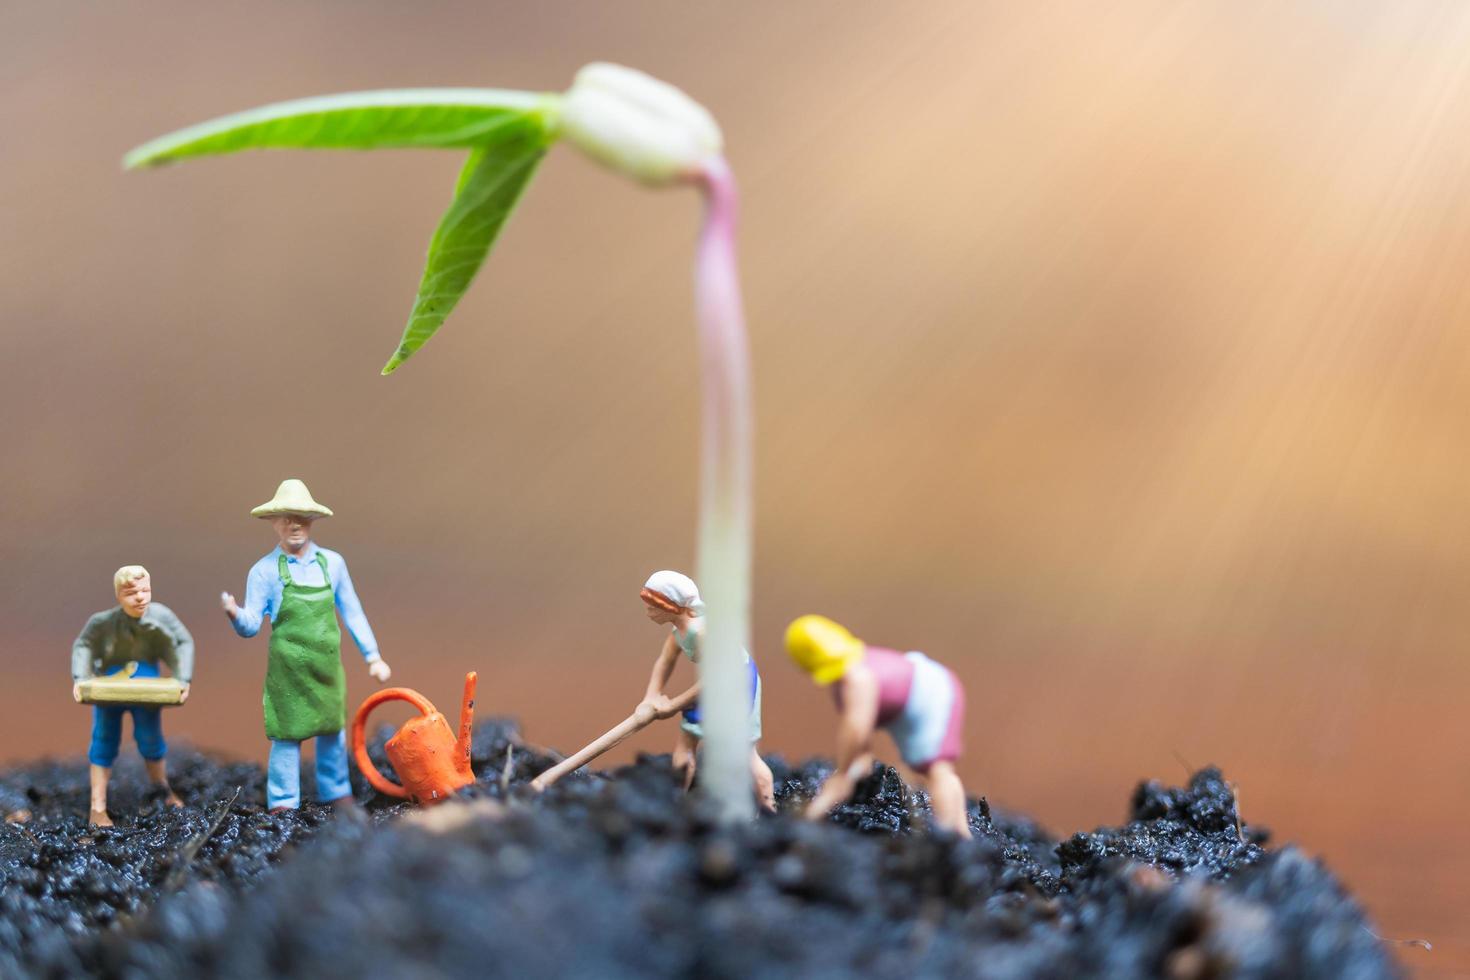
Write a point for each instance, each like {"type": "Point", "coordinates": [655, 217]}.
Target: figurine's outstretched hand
{"type": "Point", "coordinates": [838, 788]}
{"type": "Point", "coordinates": [184, 694]}
{"type": "Point", "coordinates": [228, 604]}
{"type": "Point", "coordinates": [835, 791]}
{"type": "Point", "coordinates": [380, 671]}
{"type": "Point", "coordinates": [76, 692]}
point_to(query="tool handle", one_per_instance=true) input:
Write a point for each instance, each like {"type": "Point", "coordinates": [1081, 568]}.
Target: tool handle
{"type": "Point", "coordinates": [606, 741]}
{"type": "Point", "coordinates": [359, 735]}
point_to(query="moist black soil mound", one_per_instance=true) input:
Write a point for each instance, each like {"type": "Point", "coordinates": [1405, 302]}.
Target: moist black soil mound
{"type": "Point", "coordinates": [620, 874]}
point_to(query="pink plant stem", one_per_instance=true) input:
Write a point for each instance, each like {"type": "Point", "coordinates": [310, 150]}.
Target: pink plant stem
{"type": "Point", "coordinates": [725, 502]}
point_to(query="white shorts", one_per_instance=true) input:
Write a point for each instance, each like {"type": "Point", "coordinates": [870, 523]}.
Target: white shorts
{"type": "Point", "coordinates": [919, 732]}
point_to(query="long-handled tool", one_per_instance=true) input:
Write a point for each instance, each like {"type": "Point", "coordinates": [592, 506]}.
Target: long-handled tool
{"type": "Point", "coordinates": [607, 740]}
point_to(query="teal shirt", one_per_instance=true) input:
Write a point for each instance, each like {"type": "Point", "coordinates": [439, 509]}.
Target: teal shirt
{"type": "Point", "coordinates": [112, 638]}
{"type": "Point", "coordinates": [689, 642]}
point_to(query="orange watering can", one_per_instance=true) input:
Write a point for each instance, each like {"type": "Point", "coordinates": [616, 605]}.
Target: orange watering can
{"type": "Point", "coordinates": [429, 760]}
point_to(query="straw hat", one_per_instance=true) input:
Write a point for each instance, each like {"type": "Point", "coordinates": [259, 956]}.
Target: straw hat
{"type": "Point", "coordinates": [291, 497]}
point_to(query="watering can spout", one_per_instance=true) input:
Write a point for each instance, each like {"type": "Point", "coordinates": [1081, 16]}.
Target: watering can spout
{"type": "Point", "coordinates": [466, 723]}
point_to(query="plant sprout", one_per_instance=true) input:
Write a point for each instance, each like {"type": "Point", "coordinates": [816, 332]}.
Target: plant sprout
{"type": "Point", "coordinates": [639, 126]}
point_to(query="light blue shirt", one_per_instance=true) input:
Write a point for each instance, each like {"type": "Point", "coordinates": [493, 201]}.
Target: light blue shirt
{"type": "Point", "coordinates": [263, 587]}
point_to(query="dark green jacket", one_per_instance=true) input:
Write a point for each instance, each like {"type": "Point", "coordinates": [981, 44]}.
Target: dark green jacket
{"type": "Point", "coordinates": [112, 638]}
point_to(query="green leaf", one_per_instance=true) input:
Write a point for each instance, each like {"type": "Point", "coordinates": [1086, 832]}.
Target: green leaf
{"type": "Point", "coordinates": [440, 118]}
{"type": "Point", "coordinates": [489, 186]}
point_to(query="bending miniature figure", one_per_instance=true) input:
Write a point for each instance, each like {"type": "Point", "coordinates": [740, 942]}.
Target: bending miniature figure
{"type": "Point", "coordinates": [919, 702]}
{"type": "Point", "coordinates": [133, 636]}
{"type": "Point", "coordinates": [301, 588]}
{"type": "Point", "coordinates": [673, 599]}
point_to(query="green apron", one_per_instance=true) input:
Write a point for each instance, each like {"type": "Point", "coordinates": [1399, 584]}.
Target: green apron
{"type": "Point", "coordinates": [305, 685]}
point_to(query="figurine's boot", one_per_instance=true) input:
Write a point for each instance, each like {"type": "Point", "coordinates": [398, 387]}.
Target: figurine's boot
{"type": "Point", "coordinates": [98, 817]}
{"type": "Point", "coordinates": [158, 773]}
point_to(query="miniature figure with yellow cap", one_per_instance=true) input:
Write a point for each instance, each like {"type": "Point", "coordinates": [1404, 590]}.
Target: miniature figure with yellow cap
{"type": "Point", "coordinates": [918, 701]}
{"type": "Point", "coordinates": [301, 588]}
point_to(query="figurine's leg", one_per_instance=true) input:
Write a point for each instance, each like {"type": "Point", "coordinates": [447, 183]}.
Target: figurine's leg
{"type": "Point", "coordinates": [947, 797]}
{"type": "Point", "coordinates": [106, 737]}
{"type": "Point", "coordinates": [685, 749]}
{"type": "Point", "coordinates": [765, 783]}
{"type": "Point", "coordinates": [158, 773]}
{"type": "Point", "coordinates": [98, 817]}
{"type": "Point", "coordinates": [332, 784]}
{"type": "Point", "coordinates": [148, 732]}
{"type": "Point", "coordinates": [283, 776]}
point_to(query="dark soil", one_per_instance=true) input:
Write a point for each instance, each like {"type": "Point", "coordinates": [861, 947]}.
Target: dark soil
{"type": "Point", "coordinates": [620, 875]}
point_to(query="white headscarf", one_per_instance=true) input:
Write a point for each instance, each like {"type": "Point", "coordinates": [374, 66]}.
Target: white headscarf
{"type": "Point", "coordinates": [678, 588]}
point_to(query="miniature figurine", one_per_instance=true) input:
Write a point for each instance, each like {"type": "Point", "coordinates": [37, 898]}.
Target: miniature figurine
{"type": "Point", "coordinates": [301, 588]}
{"type": "Point", "coordinates": [920, 702]}
{"type": "Point", "coordinates": [133, 636]}
{"type": "Point", "coordinates": [671, 598]}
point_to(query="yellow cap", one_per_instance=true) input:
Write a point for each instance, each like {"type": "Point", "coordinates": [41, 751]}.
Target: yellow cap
{"type": "Point", "coordinates": [822, 648]}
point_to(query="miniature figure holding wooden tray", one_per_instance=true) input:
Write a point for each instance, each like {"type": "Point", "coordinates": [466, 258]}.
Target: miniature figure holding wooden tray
{"type": "Point", "coordinates": [114, 668]}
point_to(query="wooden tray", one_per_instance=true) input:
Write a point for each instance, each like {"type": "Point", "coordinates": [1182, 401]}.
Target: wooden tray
{"type": "Point", "coordinates": [152, 692]}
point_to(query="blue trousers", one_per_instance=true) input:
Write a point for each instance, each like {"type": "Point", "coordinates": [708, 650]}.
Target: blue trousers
{"type": "Point", "coordinates": [107, 728]}
{"type": "Point", "coordinates": [283, 775]}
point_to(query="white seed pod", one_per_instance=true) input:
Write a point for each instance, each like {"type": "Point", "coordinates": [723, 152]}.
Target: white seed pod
{"type": "Point", "coordinates": [637, 125]}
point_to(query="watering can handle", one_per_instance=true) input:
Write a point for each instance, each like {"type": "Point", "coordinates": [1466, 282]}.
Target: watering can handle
{"type": "Point", "coordinates": [359, 735]}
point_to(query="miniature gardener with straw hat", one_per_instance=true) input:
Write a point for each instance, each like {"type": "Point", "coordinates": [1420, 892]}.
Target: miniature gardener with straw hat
{"type": "Point", "coordinates": [301, 588]}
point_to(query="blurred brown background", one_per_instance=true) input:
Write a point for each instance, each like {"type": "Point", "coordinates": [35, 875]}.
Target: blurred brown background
{"type": "Point", "coordinates": [1117, 357]}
